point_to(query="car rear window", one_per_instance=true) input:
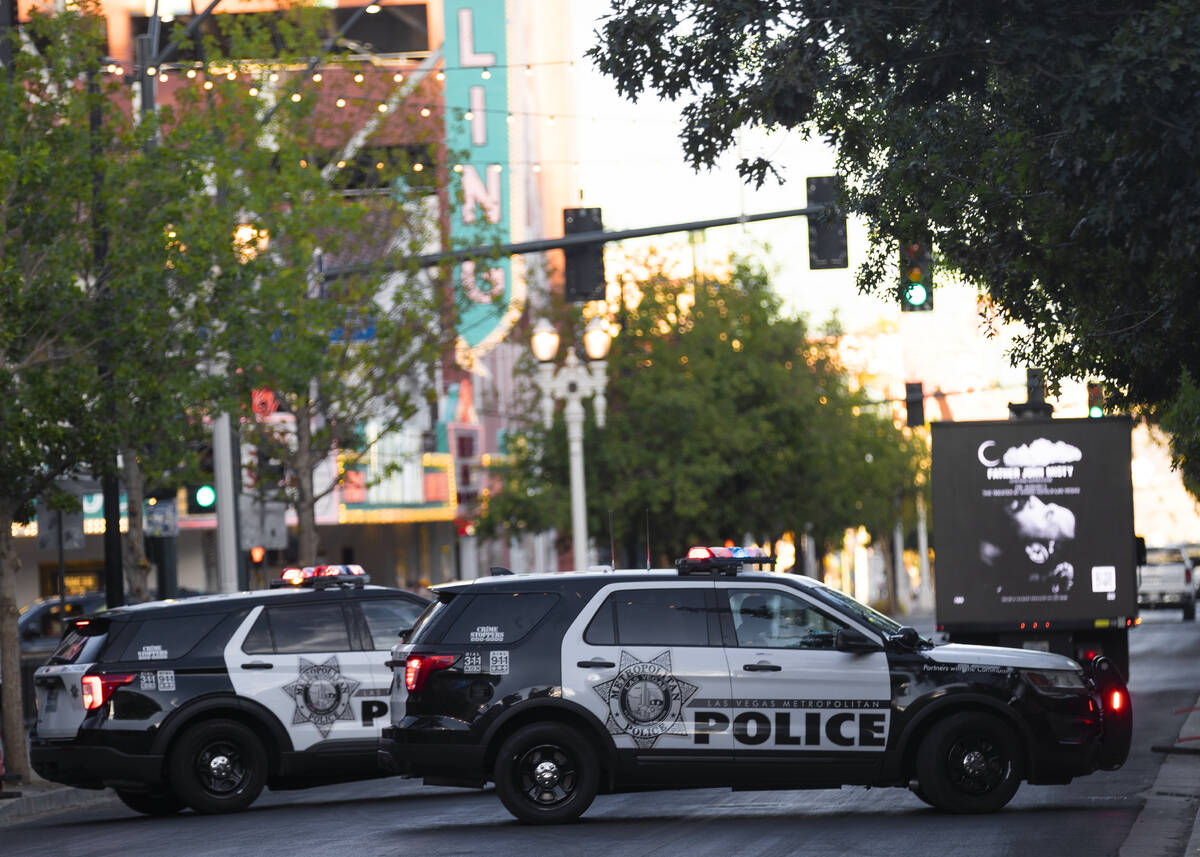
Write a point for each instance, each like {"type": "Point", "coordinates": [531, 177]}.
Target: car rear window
{"type": "Point", "coordinates": [426, 622]}
{"type": "Point", "coordinates": [75, 647]}
{"type": "Point", "coordinates": [168, 638]}
{"type": "Point", "coordinates": [651, 617]}
{"type": "Point", "coordinates": [298, 629]}
{"type": "Point", "coordinates": [499, 617]}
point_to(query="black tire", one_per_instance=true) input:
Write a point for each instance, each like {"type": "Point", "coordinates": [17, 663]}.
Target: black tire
{"type": "Point", "coordinates": [916, 789]}
{"type": "Point", "coordinates": [969, 762]}
{"type": "Point", "coordinates": [218, 766]}
{"type": "Point", "coordinates": [159, 804]}
{"type": "Point", "coordinates": [546, 773]}
{"type": "Point", "coordinates": [1189, 612]}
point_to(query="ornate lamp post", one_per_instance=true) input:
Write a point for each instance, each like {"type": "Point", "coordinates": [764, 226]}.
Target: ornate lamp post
{"type": "Point", "coordinates": [572, 382]}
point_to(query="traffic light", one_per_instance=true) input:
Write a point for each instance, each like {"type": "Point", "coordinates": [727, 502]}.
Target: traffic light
{"type": "Point", "coordinates": [257, 553]}
{"type": "Point", "coordinates": [914, 404]}
{"type": "Point", "coordinates": [916, 277]}
{"type": "Point", "coordinates": [826, 230]}
{"type": "Point", "coordinates": [584, 262]}
{"type": "Point", "coordinates": [202, 494]}
{"type": "Point", "coordinates": [1095, 399]}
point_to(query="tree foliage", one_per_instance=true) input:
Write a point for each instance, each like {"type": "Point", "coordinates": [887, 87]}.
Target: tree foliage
{"type": "Point", "coordinates": [724, 418]}
{"type": "Point", "coordinates": [1049, 150]}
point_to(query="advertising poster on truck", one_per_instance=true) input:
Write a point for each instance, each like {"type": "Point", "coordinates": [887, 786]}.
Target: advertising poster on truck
{"type": "Point", "coordinates": [1033, 522]}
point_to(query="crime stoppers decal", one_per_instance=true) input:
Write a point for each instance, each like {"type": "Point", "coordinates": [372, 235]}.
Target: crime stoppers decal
{"type": "Point", "coordinates": [322, 694]}
{"type": "Point", "coordinates": [645, 700]}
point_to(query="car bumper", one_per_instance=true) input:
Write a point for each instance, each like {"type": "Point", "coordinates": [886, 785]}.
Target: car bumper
{"type": "Point", "coordinates": [93, 767]}
{"type": "Point", "coordinates": [449, 758]}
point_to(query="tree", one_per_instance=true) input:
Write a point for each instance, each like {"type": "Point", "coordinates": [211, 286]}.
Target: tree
{"type": "Point", "coordinates": [1048, 151]}
{"type": "Point", "coordinates": [724, 418]}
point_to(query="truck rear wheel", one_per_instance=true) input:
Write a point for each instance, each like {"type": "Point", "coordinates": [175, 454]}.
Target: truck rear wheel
{"type": "Point", "coordinates": [969, 762]}
{"type": "Point", "coordinates": [546, 774]}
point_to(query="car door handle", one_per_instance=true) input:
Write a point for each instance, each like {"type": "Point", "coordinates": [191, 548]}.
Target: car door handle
{"type": "Point", "coordinates": [762, 668]}
{"type": "Point", "coordinates": [258, 665]}
{"type": "Point", "coordinates": [595, 662]}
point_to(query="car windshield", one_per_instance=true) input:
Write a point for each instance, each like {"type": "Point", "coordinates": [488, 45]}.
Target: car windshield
{"type": "Point", "coordinates": [857, 609]}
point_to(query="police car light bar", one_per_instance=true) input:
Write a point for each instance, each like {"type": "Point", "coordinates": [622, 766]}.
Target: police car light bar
{"type": "Point", "coordinates": [721, 560]}
{"type": "Point", "coordinates": [322, 576]}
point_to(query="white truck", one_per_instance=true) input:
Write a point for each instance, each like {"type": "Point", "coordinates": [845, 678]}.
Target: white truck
{"type": "Point", "coordinates": [1165, 580]}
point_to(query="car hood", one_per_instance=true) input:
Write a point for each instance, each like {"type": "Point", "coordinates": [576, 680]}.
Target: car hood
{"type": "Point", "coordinates": [960, 653]}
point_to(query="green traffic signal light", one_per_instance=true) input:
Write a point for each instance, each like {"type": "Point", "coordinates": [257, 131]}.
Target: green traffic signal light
{"type": "Point", "coordinates": [916, 294]}
{"type": "Point", "coordinates": [206, 497]}
{"type": "Point", "coordinates": [1095, 411]}
{"type": "Point", "coordinates": [916, 277]}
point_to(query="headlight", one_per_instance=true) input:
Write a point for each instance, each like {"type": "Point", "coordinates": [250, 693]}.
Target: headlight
{"type": "Point", "coordinates": [1055, 679]}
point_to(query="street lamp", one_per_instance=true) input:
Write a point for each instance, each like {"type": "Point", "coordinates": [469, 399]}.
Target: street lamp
{"type": "Point", "coordinates": [572, 382]}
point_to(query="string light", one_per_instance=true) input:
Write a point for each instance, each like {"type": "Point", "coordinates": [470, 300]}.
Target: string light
{"type": "Point", "coordinates": [418, 166]}
{"type": "Point", "coordinates": [379, 165]}
{"type": "Point", "coordinates": [163, 78]}
{"type": "Point", "coordinates": [341, 102]}
{"type": "Point", "coordinates": [318, 77]}
{"type": "Point", "coordinates": [529, 71]}
{"type": "Point", "coordinates": [191, 73]}
{"type": "Point", "coordinates": [537, 168]}
{"type": "Point", "coordinates": [485, 74]}
{"type": "Point", "coordinates": [458, 168]}
{"type": "Point", "coordinates": [254, 92]}
{"type": "Point", "coordinates": [425, 111]}
{"type": "Point", "coordinates": [509, 119]}
{"type": "Point", "coordinates": [398, 77]}
{"type": "Point", "coordinates": [358, 78]}
{"type": "Point", "coordinates": [208, 84]}
{"type": "Point", "coordinates": [231, 75]}
{"type": "Point", "coordinates": [295, 97]}
{"type": "Point", "coordinates": [274, 77]}
{"type": "Point", "coordinates": [303, 163]}
{"type": "Point", "coordinates": [440, 76]}
{"type": "Point", "coordinates": [383, 108]}
{"type": "Point", "coordinates": [341, 165]}
{"type": "Point", "coordinates": [469, 115]}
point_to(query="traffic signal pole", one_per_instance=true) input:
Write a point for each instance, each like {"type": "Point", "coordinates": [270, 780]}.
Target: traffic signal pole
{"type": "Point", "coordinates": [578, 239]}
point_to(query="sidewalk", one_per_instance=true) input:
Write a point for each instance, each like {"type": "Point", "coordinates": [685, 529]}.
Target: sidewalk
{"type": "Point", "coordinates": [42, 796]}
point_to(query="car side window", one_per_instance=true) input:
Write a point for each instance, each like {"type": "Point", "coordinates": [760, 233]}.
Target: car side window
{"type": "Point", "coordinates": [299, 628]}
{"type": "Point", "coordinates": [771, 619]}
{"type": "Point", "coordinates": [387, 617]}
{"type": "Point", "coordinates": [651, 617]}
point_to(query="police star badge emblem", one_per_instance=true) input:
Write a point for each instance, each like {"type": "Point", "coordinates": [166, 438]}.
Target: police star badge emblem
{"type": "Point", "coordinates": [322, 694]}
{"type": "Point", "coordinates": [645, 700]}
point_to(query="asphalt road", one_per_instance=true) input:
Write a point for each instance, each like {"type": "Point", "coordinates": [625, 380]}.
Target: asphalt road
{"type": "Point", "coordinates": [1092, 816]}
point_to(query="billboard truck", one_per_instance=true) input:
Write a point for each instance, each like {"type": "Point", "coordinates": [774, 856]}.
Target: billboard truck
{"type": "Point", "coordinates": [1033, 522]}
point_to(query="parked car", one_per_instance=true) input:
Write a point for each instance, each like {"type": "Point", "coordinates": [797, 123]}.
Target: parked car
{"type": "Point", "coordinates": [1165, 579]}
{"type": "Point", "coordinates": [203, 701]}
{"type": "Point", "coordinates": [40, 623]}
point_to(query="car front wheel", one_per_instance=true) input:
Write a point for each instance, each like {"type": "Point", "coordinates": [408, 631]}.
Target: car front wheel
{"type": "Point", "coordinates": [218, 766]}
{"type": "Point", "coordinates": [969, 762]}
{"type": "Point", "coordinates": [546, 773]}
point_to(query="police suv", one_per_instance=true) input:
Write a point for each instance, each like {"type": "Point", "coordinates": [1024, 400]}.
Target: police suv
{"type": "Point", "coordinates": [203, 701]}
{"type": "Point", "coordinates": [560, 686]}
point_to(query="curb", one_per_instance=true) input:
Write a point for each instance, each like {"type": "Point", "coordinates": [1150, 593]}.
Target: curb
{"type": "Point", "coordinates": [1171, 815]}
{"type": "Point", "coordinates": [32, 803]}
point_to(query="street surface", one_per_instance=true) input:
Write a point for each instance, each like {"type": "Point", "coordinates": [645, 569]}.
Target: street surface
{"type": "Point", "coordinates": [1092, 816]}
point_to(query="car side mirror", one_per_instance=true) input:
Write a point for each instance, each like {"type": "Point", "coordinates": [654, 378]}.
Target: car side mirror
{"type": "Point", "coordinates": [853, 640]}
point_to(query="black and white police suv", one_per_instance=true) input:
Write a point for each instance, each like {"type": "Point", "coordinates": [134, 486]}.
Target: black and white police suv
{"type": "Point", "coordinates": [560, 686]}
{"type": "Point", "coordinates": [203, 701]}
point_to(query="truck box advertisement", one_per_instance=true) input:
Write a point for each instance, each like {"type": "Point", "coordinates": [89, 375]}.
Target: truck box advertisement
{"type": "Point", "coordinates": [1033, 522]}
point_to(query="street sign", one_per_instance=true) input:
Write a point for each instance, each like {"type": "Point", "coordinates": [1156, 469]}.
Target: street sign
{"type": "Point", "coordinates": [161, 518]}
{"type": "Point", "coordinates": [261, 523]}
{"type": "Point", "coordinates": [72, 528]}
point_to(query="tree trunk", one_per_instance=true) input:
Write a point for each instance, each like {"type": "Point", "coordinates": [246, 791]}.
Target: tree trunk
{"type": "Point", "coordinates": [138, 567]}
{"type": "Point", "coordinates": [12, 712]}
{"type": "Point", "coordinates": [306, 517]}
{"type": "Point", "coordinates": [889, 568]}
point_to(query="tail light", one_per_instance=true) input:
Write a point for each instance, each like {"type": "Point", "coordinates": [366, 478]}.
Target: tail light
{"type": "Point", "coordinates": [418, 668]}
{"type": "Point", "coordinates": [98, 688]}
{"type": "Point", "coordinates": [1116, 700]}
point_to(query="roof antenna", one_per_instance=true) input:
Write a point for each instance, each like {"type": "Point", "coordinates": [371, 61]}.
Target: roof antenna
{"type": "Point", "coordinates": [647, 538]}
{"type": "Point", "coordinates": [612, 544]}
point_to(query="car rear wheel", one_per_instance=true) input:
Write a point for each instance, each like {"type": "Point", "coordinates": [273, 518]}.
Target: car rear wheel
{"type": "Point", "coordinates": [969, 762]}
{"type": "Point", "coordinates": [218, 766]}
{"type": "Point", "coordinates": [546, 773]}
{"type": "Point", "coordinates": [161, 803]}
